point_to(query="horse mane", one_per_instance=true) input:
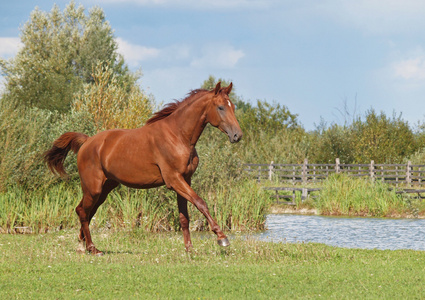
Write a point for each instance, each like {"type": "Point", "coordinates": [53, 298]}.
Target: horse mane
{"type": "Point", "coordinates": [173, 106]}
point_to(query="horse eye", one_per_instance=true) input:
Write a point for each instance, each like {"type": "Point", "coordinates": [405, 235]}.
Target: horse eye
{"type": "Point", "coordinates": [221, 108]}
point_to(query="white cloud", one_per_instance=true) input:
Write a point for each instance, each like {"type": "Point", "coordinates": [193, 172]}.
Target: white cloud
{"type": "Point", "coordinates": [412, 69]}
{"type": "Point", "coordinates": [9, 46]}
{"type": "Point", "coordinates": [222, 57]}
{"type": "Point", "coordinates": [408, 67]}
{"type": "Point", "coordinates": [402, 75]}
{"type": "Point", "coordinates": [135, 54]}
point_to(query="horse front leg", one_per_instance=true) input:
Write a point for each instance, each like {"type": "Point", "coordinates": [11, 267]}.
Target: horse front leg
{"type": "Point", "coordinates": [182, 188]}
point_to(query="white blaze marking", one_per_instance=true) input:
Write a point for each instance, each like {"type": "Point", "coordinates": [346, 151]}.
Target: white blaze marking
{"type": "Point", "coordinates": [228, 102]}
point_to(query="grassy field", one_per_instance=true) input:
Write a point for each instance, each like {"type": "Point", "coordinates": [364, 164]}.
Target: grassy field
{"type": "Point", "coordinates": [140, 265]}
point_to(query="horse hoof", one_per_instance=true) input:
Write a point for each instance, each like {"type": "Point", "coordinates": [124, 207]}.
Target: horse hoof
{"type": "Point", "coordinates": [96, 253]}
{"type": "Point", "coordinates": [223, 242]}
{"type": "Point", "coordinates": [93, 251]}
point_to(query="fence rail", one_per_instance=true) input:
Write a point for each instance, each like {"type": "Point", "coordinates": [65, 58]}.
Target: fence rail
{"type": "Point", "coordinates": [396, 174]}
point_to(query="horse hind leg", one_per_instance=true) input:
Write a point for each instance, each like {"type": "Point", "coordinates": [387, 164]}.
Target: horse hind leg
{"type": "Point", "coordinates": [83, 211]}
{"type": "Point", "coordinates": [86, 210]}
{"type": "Point", "coordinates": [184, 222]}
{"type": "Point", "coordinates": [107, 188]}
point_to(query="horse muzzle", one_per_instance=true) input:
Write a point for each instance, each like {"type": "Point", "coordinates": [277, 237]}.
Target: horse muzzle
{"type": "Point", "coordinates": [234, 135]}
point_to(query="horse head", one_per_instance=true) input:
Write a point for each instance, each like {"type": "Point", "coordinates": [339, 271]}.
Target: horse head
{"type": "Point", "coordinates": [221, 113]}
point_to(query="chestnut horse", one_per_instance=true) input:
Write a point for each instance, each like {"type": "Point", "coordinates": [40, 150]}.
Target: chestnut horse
{"type": "Point", "coordinates": [160, 153]}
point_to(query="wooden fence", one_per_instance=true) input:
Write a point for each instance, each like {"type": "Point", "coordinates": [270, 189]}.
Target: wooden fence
{"type": "Point", "coordinates": [396, 174]}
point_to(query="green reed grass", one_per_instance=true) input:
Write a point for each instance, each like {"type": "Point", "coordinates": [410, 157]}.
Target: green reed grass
{"type": "Point", "coordinates": [240, 207]}
{"type": "Point", "coordinates": [344, 195]}
{"type": "Point", "coordinates": [37, 211]}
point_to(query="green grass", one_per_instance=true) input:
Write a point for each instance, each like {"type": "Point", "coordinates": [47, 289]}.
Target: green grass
{"type": "Point", "coordinates": [155, 266]}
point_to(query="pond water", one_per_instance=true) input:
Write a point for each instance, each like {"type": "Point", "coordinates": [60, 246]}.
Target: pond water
{"type": "Point", "coordinates": [367, 233]}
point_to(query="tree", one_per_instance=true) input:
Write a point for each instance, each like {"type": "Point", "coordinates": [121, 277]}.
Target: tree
{"type": "Point", "coordinates": [382, 139]}
{"type": "Point", "coordinates": [328, 143]}
{"type": "Point", "coordinates": [109, 104]}
{"type": "Point", "coordinates": [59, 54]}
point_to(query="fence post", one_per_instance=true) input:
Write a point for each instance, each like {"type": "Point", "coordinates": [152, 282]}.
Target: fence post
{"type": "Point", "coordinates": [271, 171]}
{"type": "Point", "coordinates": [304, 194]}
{"type": "Point", "coordinates": [408, 174]}
{"type": "Point", "coordinates": [259, 174]}
{"type": "Point", "coordinates": [304, 171]}
{"type": "Point", "coordinates": [337, 165]}
{"type": "Point", "coordinates": [372, 170]}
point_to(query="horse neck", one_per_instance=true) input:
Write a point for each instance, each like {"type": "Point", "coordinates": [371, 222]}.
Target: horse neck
{"type": "Point", "coordinates": [191, 120]}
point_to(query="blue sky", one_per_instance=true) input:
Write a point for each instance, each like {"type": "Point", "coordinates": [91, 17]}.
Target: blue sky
{"type": "Point", "coordinates": [314, 56]}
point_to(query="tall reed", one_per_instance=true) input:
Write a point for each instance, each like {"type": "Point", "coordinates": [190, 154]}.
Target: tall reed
{"type": "Point", "coordinates": [344, 195]}
{"type": "Point", "coordinates": [242, 206]}
{"type": "Point", "coordinates": [239, 207]}
{"type": "Point", "coordinates": [37, 211]}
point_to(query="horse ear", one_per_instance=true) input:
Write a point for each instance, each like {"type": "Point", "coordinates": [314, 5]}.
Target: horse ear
{"type": "Point", "coordinates": [228, 89]}
{"type": "Point", "coordinates": [217, 88]}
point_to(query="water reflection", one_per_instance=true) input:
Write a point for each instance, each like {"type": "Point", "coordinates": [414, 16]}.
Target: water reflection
{"type": "Point", "coordinates": [368, 233]}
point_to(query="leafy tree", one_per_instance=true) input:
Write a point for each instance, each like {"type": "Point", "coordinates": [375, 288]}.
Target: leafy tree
{"type": "Point", "coordinates": [374, 137]}
{"type": "Point", "coordinates": [109, 104]}
{"type": "Point", "coordinates": [59, 53]}
{"type": "Point", "coordinates": [328, 143]}
{"type": "Point", "coordinates": [382, 139]}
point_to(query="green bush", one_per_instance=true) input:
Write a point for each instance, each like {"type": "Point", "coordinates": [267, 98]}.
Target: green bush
{"type": "Point", "coordinates": [25, 133]}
